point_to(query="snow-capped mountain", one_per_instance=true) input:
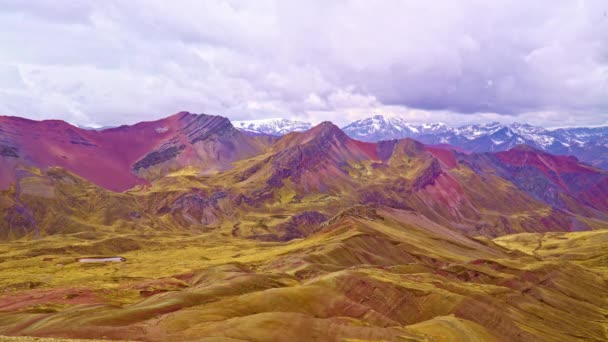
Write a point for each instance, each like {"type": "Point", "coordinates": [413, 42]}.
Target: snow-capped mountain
{"type": "Point", "coordinates": [587, 144]}
{"type": "Point", "coordinates": [95, 128]}
{"type": "Point", "coordinates": [379, 128]}
{"type": "Point", "coordinates": [493, 137]}
{"type": "Point", "coordinates": [272, 126]}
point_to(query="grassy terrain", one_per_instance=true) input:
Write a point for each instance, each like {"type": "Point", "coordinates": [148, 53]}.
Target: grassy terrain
{"type": "Point", "coordinates": [364, 276]}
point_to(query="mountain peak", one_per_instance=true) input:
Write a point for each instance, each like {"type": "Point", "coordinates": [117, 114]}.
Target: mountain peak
{"type": "Point", "coordinates": [327, 129]}
{"type": "Point", "coordinates": [181, 114]}
{"type": "Point", "coordinates": [379, 127]}
{"type": "Point", "coordinates": [327, 125]}
{"type": "Point", "coordinates": [274, 126]}
{"type": "Point", "coordinates": [526, 148]}
{"type": "Point", "coordinates": [323, 132]}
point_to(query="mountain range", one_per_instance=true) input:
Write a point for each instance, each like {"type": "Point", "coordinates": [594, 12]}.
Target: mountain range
{"type": "Point", "coordinates": [228, 232]}
{"type": "Point", "coordinates": [276, 127]}
{"type": "Point", "coordinates": [531, 190]}
{"type": "Point", "coordinates": [588, 144]}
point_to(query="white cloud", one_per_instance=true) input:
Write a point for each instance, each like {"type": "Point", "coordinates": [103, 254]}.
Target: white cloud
{"type": "Point", "coordinates": [113, 61]}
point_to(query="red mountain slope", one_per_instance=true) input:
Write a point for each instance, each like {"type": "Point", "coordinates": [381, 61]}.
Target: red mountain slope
{"type": "Point", "coordinates": [119, 158]}
{"type": "Point", "coordinates": [312, 160]}
{"type": "Point", "coordinates": [559, 180]}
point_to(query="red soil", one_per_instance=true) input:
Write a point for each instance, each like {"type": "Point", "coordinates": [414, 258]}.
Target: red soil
{"type": "Point", "coordinates": [446, 156]}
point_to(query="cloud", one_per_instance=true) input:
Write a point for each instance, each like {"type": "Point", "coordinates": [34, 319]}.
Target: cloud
{"type": "Point", "coordinates": [114, 62]}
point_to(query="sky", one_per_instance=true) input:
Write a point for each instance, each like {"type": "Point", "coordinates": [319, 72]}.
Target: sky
{"type": "Point", "coordinates": [103, 63]}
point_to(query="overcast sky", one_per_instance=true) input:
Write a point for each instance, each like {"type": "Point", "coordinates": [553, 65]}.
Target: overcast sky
{"type": "Point", "coordinates": [109, 62]}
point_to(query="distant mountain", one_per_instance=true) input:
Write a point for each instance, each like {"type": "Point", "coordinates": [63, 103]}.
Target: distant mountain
{"type": "Point", "coordinates": [493, 137]}
{"type": "Point", "coordinates": [92, 128]}
{"type": "Point", "coordinates": [379, 128]}
{"type": "Point", "coordinates": [275, 127]}
{"type": "Point", "coordinates": [587, 144]}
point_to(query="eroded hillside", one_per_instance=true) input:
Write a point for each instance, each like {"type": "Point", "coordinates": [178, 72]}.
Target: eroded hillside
{"type": "Point", "coordinates": [367, 274]}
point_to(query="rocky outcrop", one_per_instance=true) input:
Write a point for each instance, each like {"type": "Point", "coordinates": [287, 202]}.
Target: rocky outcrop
{"type": "Point", "coordinates": [385, 149]}
{"type": "Point", "coordinates": [204, 127]}
{"type": "Point", "coordinates": [363, 212]}
{"type": "Point", "coordinates": [300, 225]}
{"type": "Point", "coordinates": [163, 154]}
{"type": "Point", "coordinates": [407, 148]}
{"type": "Point", "coordinates": [9, 151]}
{"type": "Point", "coordinates": [78, 139]}
{"type": "Point", "coordinates": [428, 176]}
{"type": "Point", "coordinates": [199, 207]}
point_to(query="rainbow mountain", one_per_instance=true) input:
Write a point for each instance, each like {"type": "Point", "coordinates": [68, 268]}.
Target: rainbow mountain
{"type": "Point", "coordinates": [238, 236]}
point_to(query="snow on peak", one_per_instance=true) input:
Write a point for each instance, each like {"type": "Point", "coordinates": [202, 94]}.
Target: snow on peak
{"type": "Point", "coordinates": [161, 130]}
{"type": "Point", "coordinates": [274, 126]}
{"type": "Point", "coordinates": [379, 127]}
